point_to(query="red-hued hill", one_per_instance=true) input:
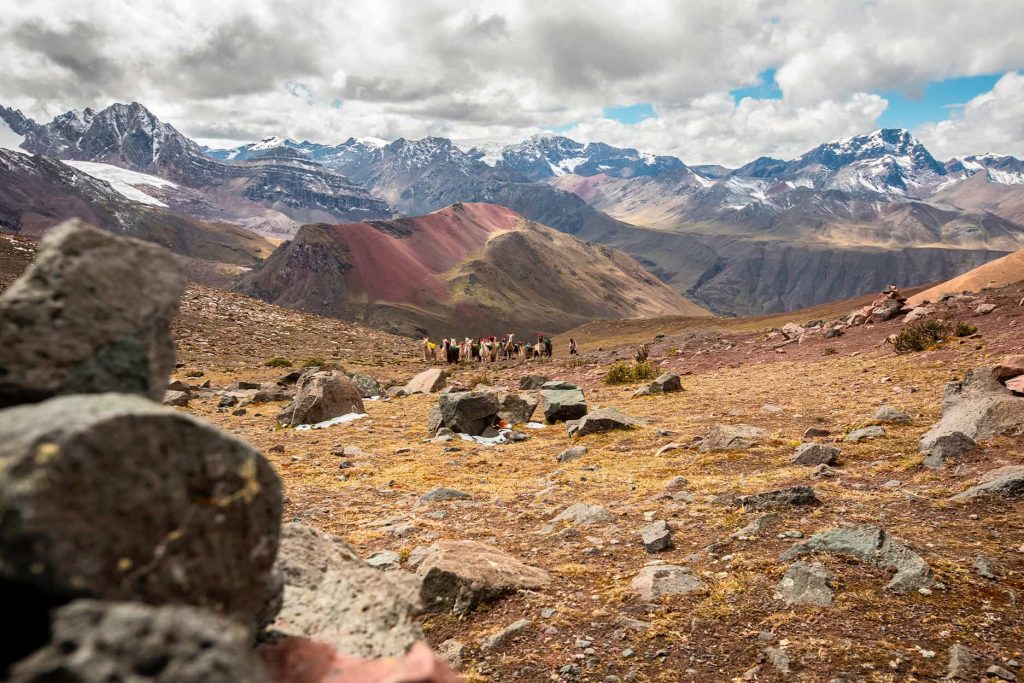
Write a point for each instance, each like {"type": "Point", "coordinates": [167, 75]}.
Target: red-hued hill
{"type": "Point", "coordinates": [467, 269]}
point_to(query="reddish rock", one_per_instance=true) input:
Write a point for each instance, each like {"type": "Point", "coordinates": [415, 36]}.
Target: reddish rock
{"type": "Point", "coordinates": [320, 396]}
{"type": "Point", "coordinates": [299, 660]}
{"type": "Point", "coordinates": [1009, 367]}
{"type": "Point", "coordinates": [1016, 385]}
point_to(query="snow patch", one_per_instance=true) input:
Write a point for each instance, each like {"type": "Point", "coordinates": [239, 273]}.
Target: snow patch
{"type": "Point", "coordinates": [9, 139]}
{"type": "Point", "coordinates": [124, 182]}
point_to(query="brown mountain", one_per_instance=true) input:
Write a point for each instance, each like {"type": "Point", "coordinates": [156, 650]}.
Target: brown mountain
{"type": "Point", "coordinates": [469, 269]}
{"type": "Point", "coordinates": [1006, 270]}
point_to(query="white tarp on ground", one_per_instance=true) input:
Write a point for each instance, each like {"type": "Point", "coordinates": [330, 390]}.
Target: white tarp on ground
{"type": "Point", "coordinates": [341, 419]}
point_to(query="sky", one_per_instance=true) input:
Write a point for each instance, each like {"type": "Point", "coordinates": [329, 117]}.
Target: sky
{"type": "Point", "coordinates": [710, 81]}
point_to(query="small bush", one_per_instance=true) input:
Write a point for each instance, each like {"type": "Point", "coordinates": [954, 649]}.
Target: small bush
{"type": "Point", "coordinates": [278, 363]}
{"type": "Point", "coordinates": [476, 380]}
{"type": "Point", "coordinates": [962, 329]}
{"type": "Point", "coordinates": [921, 335]}
{"type": "Point", "coordinates": [194, 373]}
{"type": "Point", "coordinates": [314, 362]}
{"type": "Point", "coordinates": [829, 351]}
{"type": "Point", "coordinates": [576, 363]}
{"type": "Point", "coordinates": [624, 372]}
{"type": "Point", "coordinates": [642, 353]}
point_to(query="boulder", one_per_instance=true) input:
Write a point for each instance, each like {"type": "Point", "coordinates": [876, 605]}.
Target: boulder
{"type": "Point", "coordinates": [961, 663]}
{"type": "Point", "coordinates": [368, 387]}
{"type": "Point", "coordinates": [91, 314]}
{"type": "Point", "coordinates": [320, 396]}
{"type": "Point", "coordinates": [656, 536]}
{"type": "Point", "coordinates": [887, 310]}
{"type": "Point", "coordinates": [834, 330]}
{"type": "Point", "coordinates": [1008, 368]}
{"type": "Point", "coordinates": [666, 383]}
{"type": "Point", "coordinates": [1016, 385]}
{"type": "Point", "coordinates": [873, 545]}
{"type": "Point", "coordinates": [893, 415]}
{"type": "Point", "coordinates": [532, 382]}
{"type": "Point", "coordinates": [657, 580]}
{"type": "Point", "coordinates": [812, 432]}
{"type": "Point", "coordinates": [333, 596]}
{"type": "Point", "coordinates": [242, 385]}
{"type": "Point", "coordinates": [516, 408]}
{"type": "Point", "coordinates": [385, 560]}
{"type": "Point", "coordinates": [466, 412]}
{"type": "Point", "coordinates": [796, 495]}
{"type": "Point", "coordinates": [176, 398]}
{"type": "Point", "coordinates": [815, 454]}
{"type": "Point", "coordinates": [792, 331]}
{"type": "Point", "coordinates": [269, 393]}
{"type": "Point", "coordinates": [730, 438]}
{"type": "Point", "coordinates": [571, 454]}
{"type": "Point", "coordinates": [300, 660]}
{"type": "Point", "coordinates": [427, 382]}
{"type": "Point", "coordinates": [949, 445]}
{"type": "Point", "coordinates": [1007, 482]}
{"type": "Point", "coordinates": [441, 493]}
{"type": "Point", "coordinates": [562, 401]}
{"type": "Point", "coordinates": [806, 584]}
{"type": "Point", "coordinates": [978, 407]}
{"type": "Point", "coordinates": [985, 309]}
{"type": "Point", "coordinates": [917, 313]}
{"type": "Point", "coordinates": [584, 514]}
{"type": "Point", "coordinates": [496, 640]}
{"type": "Point", "coordinates": [602, 420]}
{"type": "Point", "coordinates": [458, 575]}
{"type": "Point", "coordinates": [97, 641]}
{"type": "Point", "coordinates": [865, 433]}
{"type": "Point", "coordinates": [113, 496]}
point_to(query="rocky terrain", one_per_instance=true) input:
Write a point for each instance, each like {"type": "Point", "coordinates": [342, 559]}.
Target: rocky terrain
{"type": "Point", "coordinates": [800, 503]}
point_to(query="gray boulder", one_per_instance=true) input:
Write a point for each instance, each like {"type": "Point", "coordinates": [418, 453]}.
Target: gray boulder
{"type": "Point", "coordinates": [873, 545]}
{"type": "Point", "coordinates": [602, 420]}
{"type": "Point", "coordinates": [385, 560]}
{"type": "Point", "coordinates": [1006, 482]}
{"type": "Point", "coordinates": [368, 387]}
{"type": "Point", "coordinates": [516, 408]}
{"type": "Point", "coordinates": [730, 438]}
{"type": "Point", "coordinates": [427, 382]}
{"type": "Point", "coordinates": [91, 314]}
{"type": "Point", "coordinates": [978, 407]}
{"type": "Point", "coordinates": [584, 514]}
{"type": "Point", "coordinates": [571, 454]}
{"type": "Point", "coordinates": [562, 401]}
{"type": "Point", "coordinates": [815, 454]}
{"type": "Point", "coordinates": [961, 663]}
{"type": "Point", "coordinates": [656, 536]}
{"type": "Point", "coordinates": [466, 412]}
{"type": "Point", "coordinates": [456, 576]}
{"type": "Point", "coordinates": [496, 641]}
{"type": "Point", "coordinates": [115, 497]}
{"type": "Point", "coordinates": [948, 445]}
{"type": "Point", "coordinates": [176, 398]}
{"type": "Point", "coordinates": [865, 433]}
{"type": "Point", "coordinates": [320, 396]}
{"type": "Point", "coordinates": [333, 596]}
{"type": "Point", "coordinates": [441, 493]}
{"type": "Point", "coordinates": [893, 415]}
{"type": "Point", "coordinates": [806, 584]}
{"type": "Point", "coordinates": [531, 382]}
{"type": "Point", "coordinates": [796, 495]}
{"type": "Point", "coordinates": [97, 641]}
{"type": "Point", "coordinates": [666, 383]}
{"type": "Point", "coordinates": [665, 579]}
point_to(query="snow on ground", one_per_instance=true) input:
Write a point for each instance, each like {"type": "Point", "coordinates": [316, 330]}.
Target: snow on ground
{"type": "Point", "coordinates": [125, 182]}
{"type": "Point", "coordinates": [9, 139]}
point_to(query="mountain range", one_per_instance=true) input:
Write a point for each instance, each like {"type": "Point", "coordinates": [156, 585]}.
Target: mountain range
{"type": "Point", "coordinates": [846, 217]}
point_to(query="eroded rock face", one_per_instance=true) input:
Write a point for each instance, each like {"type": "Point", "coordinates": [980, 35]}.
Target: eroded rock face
{"type": "Point", "coordinates": [458, 575]}
{"type": "Point", "coordinates": [91, 314]}
{"type": "Point", "coordinates": [113, 496]}
{"type": "Point", "coordinates": [873, 545]}
{"type": "Point", "coordinates": [333, 596]}
{"type": "Point", "coordinates": [978, 407]}
{"type": "Point", "coordinates": [730, 438]}
{"type": "Point", "coordinates": [320, 396]}
{"type": "Point", "coordinates": [125, 641]}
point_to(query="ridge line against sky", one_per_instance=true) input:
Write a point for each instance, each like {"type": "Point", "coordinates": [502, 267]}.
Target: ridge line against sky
{"type": "Point", "coordinates": [709, 82]}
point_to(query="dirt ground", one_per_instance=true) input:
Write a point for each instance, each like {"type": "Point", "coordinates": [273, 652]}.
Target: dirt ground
{"type": "Point", "coordinates": [588, 625]}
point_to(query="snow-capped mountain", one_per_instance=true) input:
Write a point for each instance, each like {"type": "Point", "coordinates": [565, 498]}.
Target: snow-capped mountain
{"type": "Point", "coordinates": [1005, 170]}
{"type": "Point", "coordinates": [547, 156]}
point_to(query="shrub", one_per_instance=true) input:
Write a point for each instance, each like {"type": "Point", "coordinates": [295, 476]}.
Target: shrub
{"type": "Point", "coordinates": [476, 380]}
{"type": "Point", "coordinates": [962, 329]}
{"type": "Point", "coordinates": [194, 373]}
{"type": "Point", "coordinates": [642, 353]}
{"type": "Point", "coordinates": [313, 362]}
{"type": "Point", "coordinates": [921, 335]}
{"type": "Point", "coordinates": [278, 363]}
{"type": "Point", "coordinates": [624, 372]}
{"type": "Point", "coordinates": [829, 351]}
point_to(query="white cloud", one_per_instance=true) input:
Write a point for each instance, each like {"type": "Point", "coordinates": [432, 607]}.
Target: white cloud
{"type": "Point", "coordinates": [477, 68]}
{"type": "Point", "coordinates": [991, 122]}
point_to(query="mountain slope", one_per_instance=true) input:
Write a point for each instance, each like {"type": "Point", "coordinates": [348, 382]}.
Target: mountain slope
{"type": "Point", "coordinates": [1006, 270]}
{"type": "Point", "coordinates": [469, 269]}
{"type": "Point", "coordinates": [547, 156]}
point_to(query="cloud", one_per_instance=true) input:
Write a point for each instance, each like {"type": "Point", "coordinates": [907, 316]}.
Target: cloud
{"type": "Point", "coordinates": [990, 122]}
{"type": "Point", "coordinates": [477, 69]}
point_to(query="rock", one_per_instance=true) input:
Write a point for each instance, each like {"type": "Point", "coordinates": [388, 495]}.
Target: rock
{"type": "Point", "coordinates": [948, 445]}
{"type": "Point", "coordinates": [227, 401]}
{"type": "Point", "coordinates": [516, 408]}
{"type": "Point", "coordinates": [984, 567]}
{"type": "Point", "coordinates": [562, 401]}
{"type": "Point", "coordinates": [796, 495]}
{"type": "Point", "coordinates": [178, 385]}
{"type": "Point", "coordinates": [960, 663]}
{"type": "Point", "coordinates": [917, 313]}
{"type": "Point", "coordinates": [397, 392]}
{"type": "Point", "coordinates": [1007, 482]}
{"type": "Point", "coordinates": [299, 660]}
{"type": "Point", "coordinates": [466, 412]}
{"type": "Point", "coordinates": [806, 584]}
{"type": "Point", "coordinates": [242, 385]}
{"type": "Point", "coordinates": [333, 596]}
{"type": "Point", "coordinates": [985, 309]}
{"type": "Point", "coordinates": [532, 382]}
{"type": "Point", "coordinates": [584, 514]}
{"type": "Point", "coordinates": [792, 331]}
{"type": "Point", "coordinates": [667, 383]}
{"type": "Point", "coordinates": [384, 560]}
{"type": "Point", "coordinates": [873, 545]}
{"type": "Point", "coordinates": [458, 575]}
{"type": "Point", "coordinates": [95, 488]}
{"type": "Point", "coordinates": [676, 483]}
{"type": "Point", "coordinates": [320, 396]}
{"type": "Point", "coordinates": [427, 382]}
{"type": "Point", "coordinates": [571, 454]}
{"type": "Point", "coordinates": [441, 493]}
{"type": "Point", "coordinates": [289, 378]}
{"type": "Point", "coordinates": [91, 314]}
{"type": "Point", "coordinates": [451, 651]}
{"type": "Point", "coordinates": [1016, 385]}
{"type": "Point", "coordinates": [602, 420]}
{"type": "Point", "coordinates": [778, 658]}
{"type": "Point", "coordinates": [271, 393]}
{"type": "Point", "coordinates": [979, 407]}
{"type": "Point", "coordinates": [656, 536]}
{"type": "Point", "coordinates": [496, 640]}
{"type": "Point", "coordinates": [416, 556]}
{"type": "Point", "coordinates": [815, 432]}
{"type": "Point", "coordinates": [1008, 368]}
{"type": "Point", "coordinates": [730, 438]}
{"type": "Point", "coordinates": [755, 527]}
{"type": "Point", "coordinates": [665, 579]}
{"type": "Point", "coordinates": [865, 433]}
{"type": "Point", "coordinates": [888, 310]}
{"type": "Point", "coordinates": [368, 387]}
{"type": "Point", "coordinates": [833, 331]}
{"type": "Point", "coordinates": [815, 454]}
{"type": "Point", "coordinates": [176, 398]}
{"type": "Point", "coordinates": [97, 641]}
{"type": "Point", "coordinates": [887, 413]}
{"type": "Point", "coordinates": [668, 448]}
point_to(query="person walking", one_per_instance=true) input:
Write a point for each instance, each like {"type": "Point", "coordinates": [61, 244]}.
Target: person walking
{"type": "Point", "coordinates": [572, 346]}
